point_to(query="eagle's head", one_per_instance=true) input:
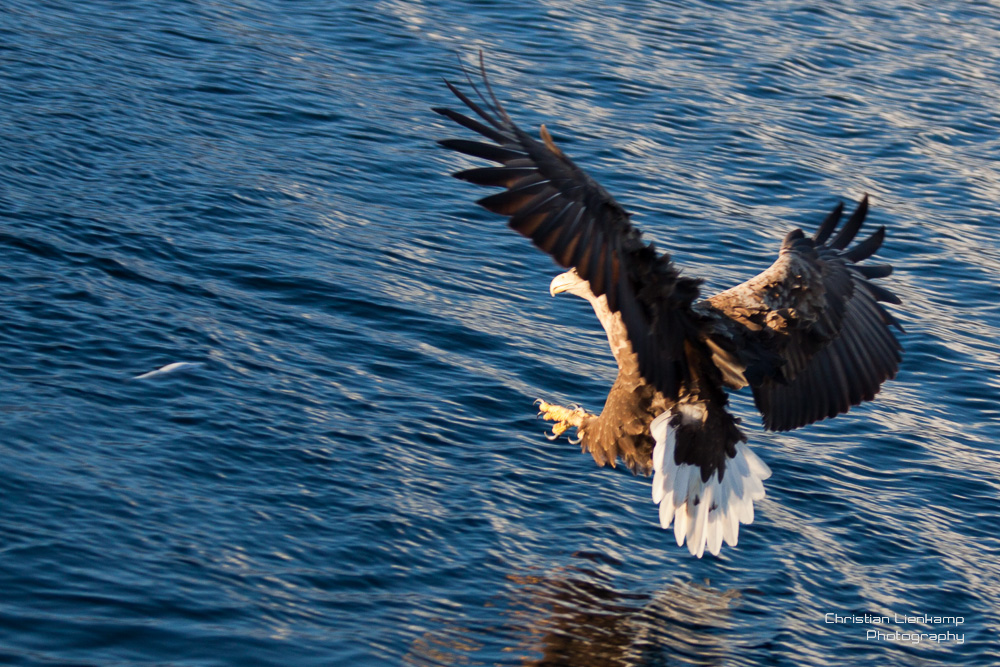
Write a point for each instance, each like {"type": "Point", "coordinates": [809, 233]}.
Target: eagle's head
{"type": "Point", "coordinates": [571, 282]}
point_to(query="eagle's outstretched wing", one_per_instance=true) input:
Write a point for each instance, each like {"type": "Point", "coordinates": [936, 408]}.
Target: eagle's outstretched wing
{"type": "Point", "coordinates": [811, 330]}
{"type": "Point", "coordinates": [571, 217]}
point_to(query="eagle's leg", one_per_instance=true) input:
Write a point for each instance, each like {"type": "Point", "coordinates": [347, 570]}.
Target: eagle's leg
{"type": "Point", "coordinates": [563, 417]}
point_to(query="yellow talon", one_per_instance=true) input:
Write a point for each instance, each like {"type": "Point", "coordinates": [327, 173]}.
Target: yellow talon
{"type": "Point", "coordinates": [563, 417]}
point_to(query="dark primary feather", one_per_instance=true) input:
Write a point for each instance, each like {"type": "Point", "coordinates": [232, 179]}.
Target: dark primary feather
{"type": "Point", "coordinates": [818, 313]}
{"type": "Point", "coordinates": [829, 224]}
{"type": "Point", "coordinates": [851, 227]}
{"type": "Point", "coordinates": [571, 217]}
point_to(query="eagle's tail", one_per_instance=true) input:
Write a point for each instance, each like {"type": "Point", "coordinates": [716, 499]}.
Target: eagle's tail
{"type": "Point", "coordinates": [704, 512]}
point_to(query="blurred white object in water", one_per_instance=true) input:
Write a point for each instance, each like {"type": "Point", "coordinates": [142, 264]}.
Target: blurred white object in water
{"type": "Point", "coordinates": [170, 368]}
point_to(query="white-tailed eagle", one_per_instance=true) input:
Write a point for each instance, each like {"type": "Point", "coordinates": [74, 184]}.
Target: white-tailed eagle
{"type": "Point", "coordinates": [808, 335]}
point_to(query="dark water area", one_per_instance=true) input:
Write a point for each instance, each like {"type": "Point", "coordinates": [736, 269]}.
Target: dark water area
{"type": "Point", "coordinates": [352, 472]}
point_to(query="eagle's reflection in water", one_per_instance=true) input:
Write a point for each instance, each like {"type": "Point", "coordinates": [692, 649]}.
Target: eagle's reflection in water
{"type": "Point", "coordinates": [577, 616]}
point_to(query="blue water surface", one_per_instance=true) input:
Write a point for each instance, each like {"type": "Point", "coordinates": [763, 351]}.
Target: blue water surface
{"type": "Point", "coordinates": [352, 473]}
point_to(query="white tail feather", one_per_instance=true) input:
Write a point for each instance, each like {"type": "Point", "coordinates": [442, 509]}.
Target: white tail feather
{"type": "Point", "coordinates": [704, 513]}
